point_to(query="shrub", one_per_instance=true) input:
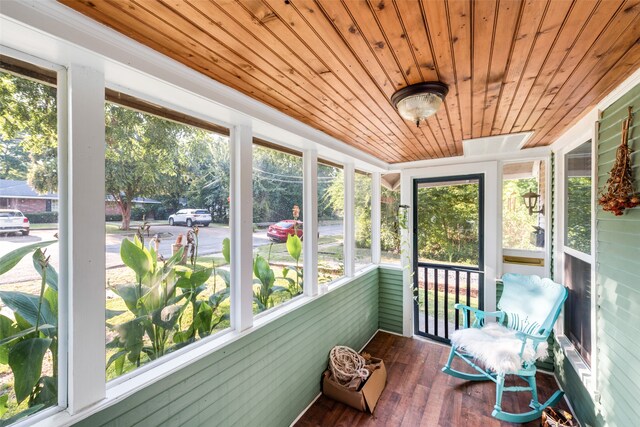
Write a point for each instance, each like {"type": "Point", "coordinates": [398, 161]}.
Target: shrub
{"type": "Point", "coordinates": [113, 218]}
{"type": "Point", "coordinates": [137, 213]}
{"type": "Point", "coordinates": [43, 217]}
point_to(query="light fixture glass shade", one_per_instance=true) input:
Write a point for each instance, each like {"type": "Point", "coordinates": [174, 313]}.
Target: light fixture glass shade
{"type": "Point", "coordinates": [418, 101]}
{"type": "Point", "coordinates": [418, 107]}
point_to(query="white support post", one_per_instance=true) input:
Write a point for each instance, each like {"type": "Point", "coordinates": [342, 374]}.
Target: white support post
{"type": "Point", "coordinates": [85, 243]}
{"type": "Point", "coordinates": [406, 198]}
{"type": "Point", "coordinates": [64, 287]}
{"type": "Point", "coordinates": [376, 217]}
{"type": "Point", "coordinates": [349, 220]}
{"type": "Point", "coordinates": [310, 224]}
{"type": "Point", "coordinates": [241, 227]}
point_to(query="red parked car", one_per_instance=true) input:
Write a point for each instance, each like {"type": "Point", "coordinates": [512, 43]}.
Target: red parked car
{"type": "Point", "coordinates": [280, 231]}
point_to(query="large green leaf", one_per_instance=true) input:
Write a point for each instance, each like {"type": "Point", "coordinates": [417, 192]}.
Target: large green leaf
{"type": "Point", "coordinates": [26, 305]}
{"type": "Point", "coordinates": [263, 271]}
{"type": "Point", "coordinates": [47, 392]}
{"type": "Point", "coordinates": [8, 261]}
{"type": "Point", "coordinates": [3, 404]}
{"type": "Point", "coordinates": [25, 360]}
{"type": "Point", "coordinates": [136, 258]}
{"type": "Point", "coordinates": [294, 247]}
{"type": "Point", "coordinates": [167, 317]}
{"type": "Point", "coordinates": [225, 275]}
{"type": "Point", "coordinates": [130, 333]}
{"type": "Point", "coordinates": [226, 250]}
{"type": "Point", "coordinates": [203, 319]}
{"type": "Point", "coordinates": [52, 297]}
{"type": "Point", "coordinates": [46, 329]}
{"type": "Point", "coordinates": [129, 294]}
{"type": "Point", "coordinates": [52, 274]}
{"type": "Point", "coordinates": [7, 330]}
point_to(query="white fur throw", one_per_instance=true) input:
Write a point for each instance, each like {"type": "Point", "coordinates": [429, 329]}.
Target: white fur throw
{"type": "Point", "coordinates": [496, 347]}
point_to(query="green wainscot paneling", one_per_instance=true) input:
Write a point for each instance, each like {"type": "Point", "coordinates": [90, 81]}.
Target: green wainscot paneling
{"type": "Point", "coordinates": [265, 378]}
{"type": "Point", "coordinates": [390, 300]}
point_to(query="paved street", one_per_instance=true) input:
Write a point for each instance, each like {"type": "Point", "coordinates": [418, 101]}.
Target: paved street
{"type": "Point", "coordinates": [210, 243]}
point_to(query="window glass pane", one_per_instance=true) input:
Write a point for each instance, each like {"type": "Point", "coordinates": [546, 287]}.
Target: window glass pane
{"type": "Point", "coordinates": [362, 205]}
{"type": "Point", "coordinates": [578, 193]}
{"type": "Point", "coordinates": [28, 236]}
{"type": "Point", "coordinates": [577, 309]}
{"type": "Point", "coordinates": [523, 228]}
{"type": "Point", "coordinates": [330, 223]}
{"type": "Point", "coordinates": [389, 225]}
{"type": "Point", "coordinates": [167, 213]}
{"type": "Point", "coordinates": [277, 217]}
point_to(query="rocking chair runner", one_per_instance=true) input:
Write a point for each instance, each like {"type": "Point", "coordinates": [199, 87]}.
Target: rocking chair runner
{"type": "Point", "coordinates": [529, 307]}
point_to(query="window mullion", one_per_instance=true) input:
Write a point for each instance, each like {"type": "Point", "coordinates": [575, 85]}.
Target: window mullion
{"type": "Point", "coordinates": [375, 217]}
{"type": "Point", "coordinates": [84, 218]}
{"type": "Point", "coordinates": [241, 221]}
{"type": "Point", "coordinates": [310, 224]}
{"type": "Point", "coordinates": [349, 220]}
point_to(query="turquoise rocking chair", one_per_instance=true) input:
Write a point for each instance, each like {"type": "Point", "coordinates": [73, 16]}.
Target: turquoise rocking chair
{"type": "Point", "coordinates": [528, 309]}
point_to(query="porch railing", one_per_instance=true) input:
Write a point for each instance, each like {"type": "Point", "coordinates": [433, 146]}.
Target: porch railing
{"type": "Point", "coordinates": [437, 288]}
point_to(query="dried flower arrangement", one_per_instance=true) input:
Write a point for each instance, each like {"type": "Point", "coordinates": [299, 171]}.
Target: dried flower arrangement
{"type": "Point", "coordinates": [618, 193]}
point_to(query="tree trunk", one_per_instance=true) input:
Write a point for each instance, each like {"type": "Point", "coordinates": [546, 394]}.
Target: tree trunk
{"type": "Point", "coordinates": [125, 210]}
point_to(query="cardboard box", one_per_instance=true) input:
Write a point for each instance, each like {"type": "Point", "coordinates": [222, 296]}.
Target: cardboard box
{"type": "Point", "coordinates": [363, 400]}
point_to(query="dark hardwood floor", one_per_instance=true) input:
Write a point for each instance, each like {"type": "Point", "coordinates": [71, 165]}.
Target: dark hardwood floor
{"type": "Point", "coordinates": [419, 394]}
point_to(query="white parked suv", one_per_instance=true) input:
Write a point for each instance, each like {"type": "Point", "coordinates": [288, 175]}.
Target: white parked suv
{"type": "Point", "coordinates": [191, 217]}
{"type": "Point", "coordinates": [13, 221]}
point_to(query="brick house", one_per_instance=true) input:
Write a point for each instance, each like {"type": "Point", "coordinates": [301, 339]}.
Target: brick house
{"type": "Point", "coordinates": [20, 195]}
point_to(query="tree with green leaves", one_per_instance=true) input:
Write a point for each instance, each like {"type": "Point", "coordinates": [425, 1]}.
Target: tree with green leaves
{"type": "Point", "coordinates": [448, 223]}
{"type": "Point", "coordinates": [13, 160]}
{"type": "Point", "coordinates": [29, 116]}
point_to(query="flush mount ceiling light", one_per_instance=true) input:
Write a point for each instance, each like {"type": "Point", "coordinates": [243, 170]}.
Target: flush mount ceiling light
{"type": "Point", "coordinates": [418, 101]}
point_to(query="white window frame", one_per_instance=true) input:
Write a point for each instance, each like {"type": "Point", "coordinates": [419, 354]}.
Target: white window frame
{"type": "Point", "coordinates": [546, 215]}
{"type": "Point", "coordinates": [587, 130]}
{"type": "Point", "coordinates": [373, 225]}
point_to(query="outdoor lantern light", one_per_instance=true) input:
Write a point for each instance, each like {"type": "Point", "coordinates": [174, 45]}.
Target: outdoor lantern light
{"type": "Point", "coordinates": [418, 101]}
{"type": "Point", "coordinates": [530, 201]}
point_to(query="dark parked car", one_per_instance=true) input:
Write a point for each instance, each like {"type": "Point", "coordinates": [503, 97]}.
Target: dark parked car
{"type": "Point", "coordinates": [280, 231]}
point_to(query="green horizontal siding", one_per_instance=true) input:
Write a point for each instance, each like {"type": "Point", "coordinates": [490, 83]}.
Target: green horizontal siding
{"type": "Point", "coordinates": [390, 299]}
{"type": "Point", "coordinates": [265, 378]}
{"type": "Point", "coordinates": [616, 290]}
{"type": "Point", "coordinates": [617, 278]}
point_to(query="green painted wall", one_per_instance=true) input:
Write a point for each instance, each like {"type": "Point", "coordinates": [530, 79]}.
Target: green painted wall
{"type": "Point", "coordinates": [265, 378]}
{"type": "Point", "coordinates": [618, 278]}
{"type": "Point", "coordinates": [618, 291]}
{"type": "Point", "coordinates": [390, 302]}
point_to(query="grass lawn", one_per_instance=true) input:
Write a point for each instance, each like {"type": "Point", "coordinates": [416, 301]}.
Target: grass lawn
{"type": "Point", "coordinates": [451, 301]}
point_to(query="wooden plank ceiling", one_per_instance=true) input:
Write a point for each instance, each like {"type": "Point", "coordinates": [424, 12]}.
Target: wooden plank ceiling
{"type": "Point", "coordinates": [511, 66]}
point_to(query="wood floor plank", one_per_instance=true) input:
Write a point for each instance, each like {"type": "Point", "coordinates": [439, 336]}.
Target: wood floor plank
{"type": "Point", "coordinates": [418, 393]}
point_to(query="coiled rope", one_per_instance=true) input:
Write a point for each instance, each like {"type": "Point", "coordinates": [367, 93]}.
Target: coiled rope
{"type": "Point", "coordinates": [345, 365]}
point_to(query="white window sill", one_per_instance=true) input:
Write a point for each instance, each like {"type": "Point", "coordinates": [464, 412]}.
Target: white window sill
{"type": "Point", "coordinates": [125, 386]}
{"type": "Point", "coordinates": [580, 367]}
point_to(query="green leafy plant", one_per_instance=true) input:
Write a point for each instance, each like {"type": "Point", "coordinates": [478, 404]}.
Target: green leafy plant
{"type": "Point", "coordinates": [265, 278]}
{"type": "Point", "coordinates": [294, 248]}
{"type": "Point", "coordinates": [31, 334]}
{"type": "Point", "coordinates": [153, 301]}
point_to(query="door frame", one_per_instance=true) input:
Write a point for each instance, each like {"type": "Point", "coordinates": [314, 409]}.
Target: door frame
{"type": "Point", "coordinates": [492, 232]}
{"type": "Point", "coordinates": [480, 177]}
